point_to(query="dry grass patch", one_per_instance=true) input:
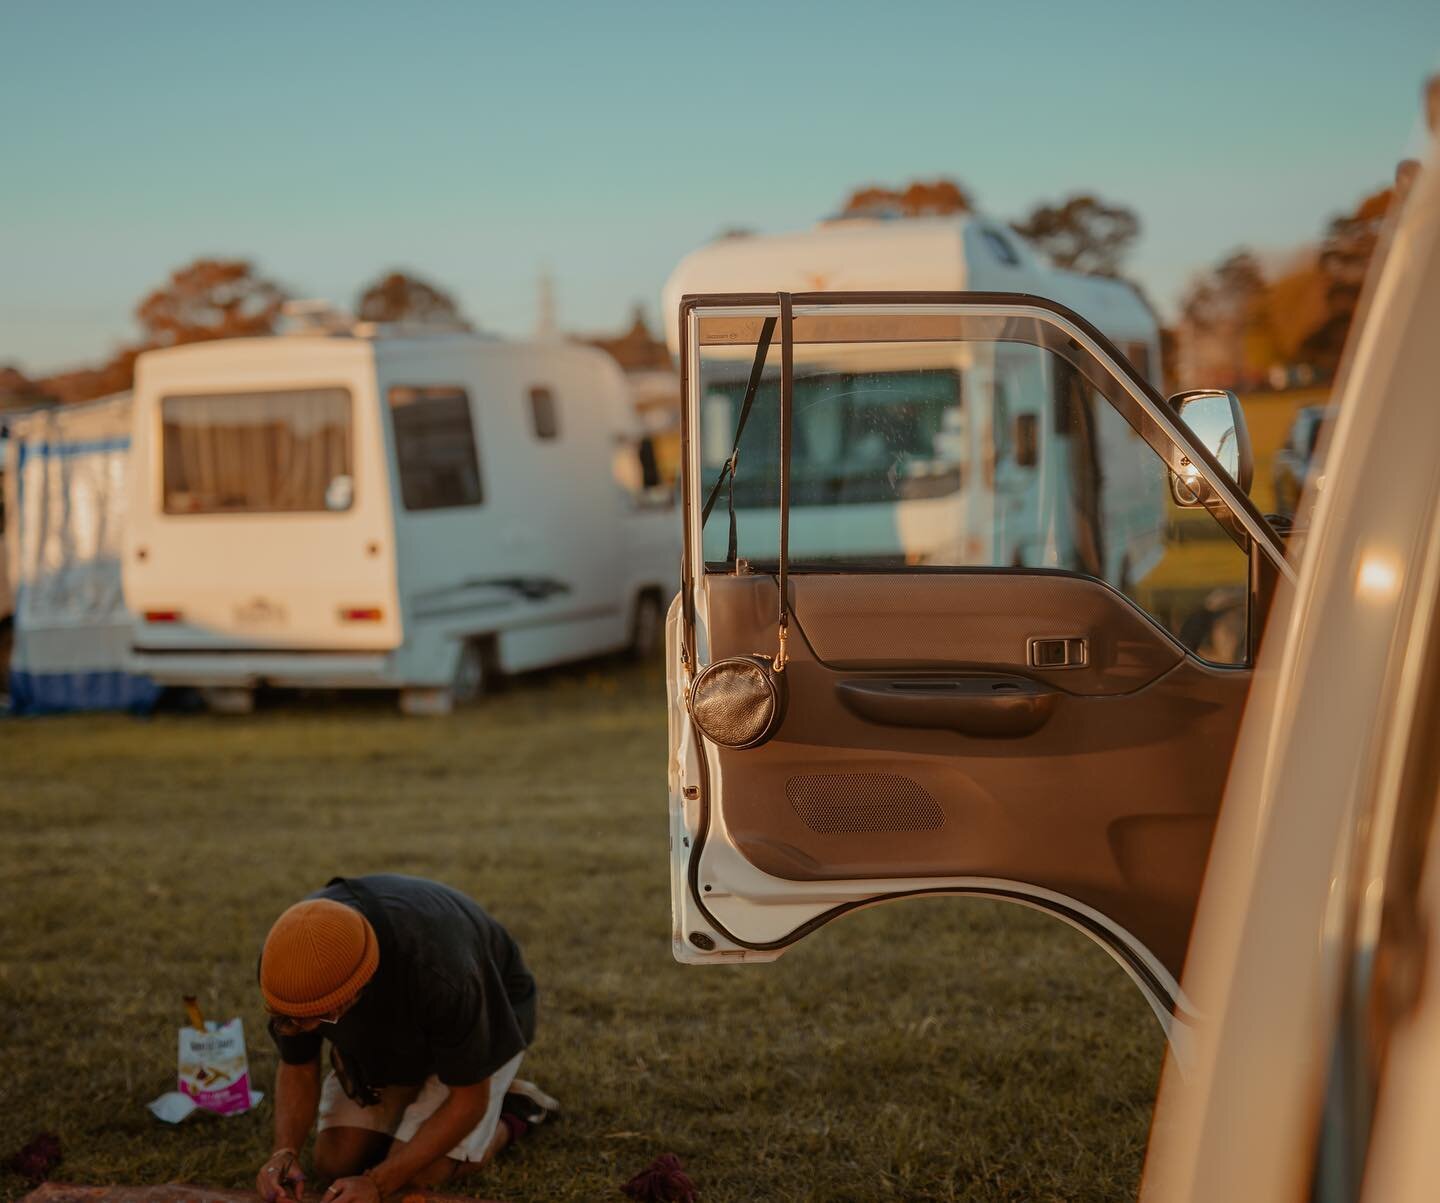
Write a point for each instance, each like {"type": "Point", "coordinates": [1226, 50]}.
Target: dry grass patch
{"type": "Point", "coordinates": [935, 1050]}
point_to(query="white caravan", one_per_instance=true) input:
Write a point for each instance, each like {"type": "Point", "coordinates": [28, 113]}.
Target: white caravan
{"type": "Point", "coordinates": [993, 454]}
{"type": "Point", "coordinates": [387, 508]}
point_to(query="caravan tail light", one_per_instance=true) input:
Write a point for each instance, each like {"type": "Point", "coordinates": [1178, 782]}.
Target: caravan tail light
{"type": "Point", "coordinates": [162, 616]}
{"type": "Point", "coordinates": [362, 614]}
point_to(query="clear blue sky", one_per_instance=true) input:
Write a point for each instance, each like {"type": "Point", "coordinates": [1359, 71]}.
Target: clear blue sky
{"type": "Point", "coordinates": [477, 142]}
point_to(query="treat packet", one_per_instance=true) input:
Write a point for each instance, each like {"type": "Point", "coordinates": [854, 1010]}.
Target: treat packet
{"type": "Point", "coordinates": [213, 1073]}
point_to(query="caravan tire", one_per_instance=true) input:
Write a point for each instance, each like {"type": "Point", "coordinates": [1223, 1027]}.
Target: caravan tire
{"type": "Point", "coordinates": [229, 699]}
{"type": "Point", "coordinates": [647, 628]}
{"type": "Point", "coordinates": [426, 702]}
{"type": "Point", "coordinates": [473, 673]}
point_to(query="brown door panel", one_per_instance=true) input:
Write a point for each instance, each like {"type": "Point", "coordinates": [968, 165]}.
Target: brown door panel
{"type": "Point", "coordinates": [1109, 800]}
{"type": "Point", "coordinates": [979, 620]}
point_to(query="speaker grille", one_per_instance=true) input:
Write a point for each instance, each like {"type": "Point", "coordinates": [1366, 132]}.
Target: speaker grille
{"type": "Point", "coordinates": [852, 803]}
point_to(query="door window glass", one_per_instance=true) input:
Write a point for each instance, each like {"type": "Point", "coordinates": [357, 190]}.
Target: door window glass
{"type": "Point", "coordinates": [969, 453]}
{"type": "Point", "coordinates": [227, 453]}
{"type": "Point", "coordinates": [435, 451]}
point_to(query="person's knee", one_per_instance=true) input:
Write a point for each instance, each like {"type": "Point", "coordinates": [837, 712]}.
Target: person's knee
{"type": "Point", "coordinates": [343, 1152]}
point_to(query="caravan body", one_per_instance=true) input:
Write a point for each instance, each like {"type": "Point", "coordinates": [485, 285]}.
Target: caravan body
{"type": "Point", "coordinates": [385, 510]}
{"type": "Point", "coordinates": [990, 473]}
{"type": "Point", "coordinates": [66, 483]}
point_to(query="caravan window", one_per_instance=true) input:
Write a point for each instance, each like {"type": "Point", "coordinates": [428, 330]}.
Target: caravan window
{"type": "Point", "coordinates": [851, 430]}
{"type": "Point", "coordinates": [435, 448]}
{"type": "Point", "coordinates": [1001, 246]}
{"type": "Point", "coordinates": [272, 452]}
{"type": "Point", "coordinates": [544, 414]}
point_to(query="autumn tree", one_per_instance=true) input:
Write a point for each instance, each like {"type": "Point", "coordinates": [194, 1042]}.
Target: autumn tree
{"type": "Point", "coordinates": [1346, 250]}
{"type": "Point", "coordinates": [209, 298]}
{"type": "Point", "coordinates": [919, 198]}
{"type": "Point", "coordinates": [1082, 233]}
{"type": "Point", "coordinates": [18, 391]}
{"type": "Point", "coordinates": [402, 297]}
{"type": "Point", "coordinates": [1222, 323]}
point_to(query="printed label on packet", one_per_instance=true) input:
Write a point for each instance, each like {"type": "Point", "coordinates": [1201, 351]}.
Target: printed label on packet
{"type": "Point", "coordinates": [213, 1069]}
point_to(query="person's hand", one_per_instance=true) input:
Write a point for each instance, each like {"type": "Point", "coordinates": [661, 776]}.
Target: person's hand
{"type": "Point", "coordinates": [360, 1189]}
{"type": "Point", "coordinates": [281, 1178]}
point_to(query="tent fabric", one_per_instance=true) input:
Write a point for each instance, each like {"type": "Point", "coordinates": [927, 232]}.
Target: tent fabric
{"type": "Point", "coordinates": [66, 473]}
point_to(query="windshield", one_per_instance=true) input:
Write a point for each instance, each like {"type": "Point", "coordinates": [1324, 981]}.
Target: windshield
{"type": "Point", "coordinates": [860, 436]}
{"type": "Point", "coordinates": [270, 452]}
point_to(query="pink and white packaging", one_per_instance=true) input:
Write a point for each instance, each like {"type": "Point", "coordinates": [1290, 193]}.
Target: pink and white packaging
{"type": "Point", "coordinates": [213, 1074]}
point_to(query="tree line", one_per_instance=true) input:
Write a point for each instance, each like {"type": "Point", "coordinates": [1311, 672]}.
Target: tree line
{"type": "Point", "coordinates": [1242, 323]}
{"type": "Point", "coordinates": [223, 298]}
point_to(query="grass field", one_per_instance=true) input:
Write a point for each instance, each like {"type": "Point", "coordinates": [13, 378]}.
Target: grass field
{"type": "Point", "coordinates": [931, 1050]}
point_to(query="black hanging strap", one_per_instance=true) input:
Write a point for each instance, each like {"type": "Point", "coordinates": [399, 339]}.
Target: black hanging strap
{"type": "Point", "coordinates": [787, 412]}
{"type": "Point", "coordinates": [727, 471]}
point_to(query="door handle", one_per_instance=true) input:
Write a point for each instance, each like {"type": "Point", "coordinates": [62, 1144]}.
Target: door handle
{"type": "Point", "coordinates": [992, 707]}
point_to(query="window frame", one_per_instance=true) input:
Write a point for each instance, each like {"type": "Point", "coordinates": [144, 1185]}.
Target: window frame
{"type": "Point", "coordinates": [737, 318]}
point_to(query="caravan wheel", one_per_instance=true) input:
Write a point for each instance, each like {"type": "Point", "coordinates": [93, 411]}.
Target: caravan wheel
{"type": "Point", "coordinates": [472, 674]}
{"type": "Point", "coordinates": [229, 699]}
{"type": "Point", "coordinates": [647, 627]}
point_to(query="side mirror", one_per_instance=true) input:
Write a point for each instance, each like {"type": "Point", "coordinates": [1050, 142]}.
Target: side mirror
{"type": "Point", "coordinates": [1216, 420]}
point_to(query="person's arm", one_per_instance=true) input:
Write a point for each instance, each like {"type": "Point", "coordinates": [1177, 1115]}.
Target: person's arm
{"type": "Point", "coordinates": [297, 1100]}
{"type": "Point", "coordinates": [451, 1122]}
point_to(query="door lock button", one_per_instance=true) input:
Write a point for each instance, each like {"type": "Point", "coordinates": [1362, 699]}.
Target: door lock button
{"type": "Point", "coordinates": [1058, 652]}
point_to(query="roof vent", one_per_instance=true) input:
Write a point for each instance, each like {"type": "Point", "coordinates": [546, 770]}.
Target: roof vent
{"type": "Point", "coordinates": [314, 317]}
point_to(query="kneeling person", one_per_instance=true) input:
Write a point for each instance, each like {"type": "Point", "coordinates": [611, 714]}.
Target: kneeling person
{"type": "Point", "coordinates": [428, 1007]}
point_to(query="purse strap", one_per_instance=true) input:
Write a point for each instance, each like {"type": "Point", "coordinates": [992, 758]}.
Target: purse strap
{"type": "Point", "coordinates": [787, 409]}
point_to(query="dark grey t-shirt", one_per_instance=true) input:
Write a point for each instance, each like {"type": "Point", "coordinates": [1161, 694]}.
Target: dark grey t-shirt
{"type": "Point", "coordinates": [451, 995]}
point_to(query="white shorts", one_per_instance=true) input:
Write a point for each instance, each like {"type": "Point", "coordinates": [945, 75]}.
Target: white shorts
{"type": "Point", "coordinates": [402, 1109]}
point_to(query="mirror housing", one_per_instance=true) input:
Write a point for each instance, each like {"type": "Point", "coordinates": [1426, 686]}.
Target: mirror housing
{"type": "Point", "coordinates": [1216, 420]}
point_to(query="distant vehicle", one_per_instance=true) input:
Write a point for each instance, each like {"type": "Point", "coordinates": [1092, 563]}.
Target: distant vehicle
{"type": "Point", "coordinates": [66, 486]}
{"type": "Point", "coordinates": [1295, 461]}
{"type": "Point", "coordinates": [7, 602]}
{"type": "Point", "coordinates": [977, 472]}
{"type": "Point", "coordinates": [388, 508]}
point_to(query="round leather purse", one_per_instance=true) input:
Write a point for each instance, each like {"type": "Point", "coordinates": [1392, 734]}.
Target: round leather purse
{"type": "Point", "coordinates": [739, 701]}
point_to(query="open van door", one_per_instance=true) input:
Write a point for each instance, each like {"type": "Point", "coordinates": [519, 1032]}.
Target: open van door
{"type": "Point", "coordinates": [1040, 709]}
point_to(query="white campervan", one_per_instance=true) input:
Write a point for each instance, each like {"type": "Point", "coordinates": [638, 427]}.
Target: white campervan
{"type": "Point", "coordinates": [953, 451]}
{"type": "Point", "coordinates": [376, 507]}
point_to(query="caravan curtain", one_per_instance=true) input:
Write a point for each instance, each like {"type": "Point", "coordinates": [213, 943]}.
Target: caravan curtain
{"type": "Point", "coordinates": [258, 452]}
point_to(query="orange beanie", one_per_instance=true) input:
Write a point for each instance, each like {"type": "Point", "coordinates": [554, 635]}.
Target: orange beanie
{"type": "Point", "coordinates": [317, 957]}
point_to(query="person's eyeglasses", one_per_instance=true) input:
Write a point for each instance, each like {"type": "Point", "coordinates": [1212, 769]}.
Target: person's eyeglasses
{"type": "Point", "coordinates": [294, 1025]}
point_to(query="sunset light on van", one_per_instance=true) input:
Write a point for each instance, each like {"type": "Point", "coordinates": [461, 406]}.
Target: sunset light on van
{"type": "Point", "coordinates": [1378, 577]}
